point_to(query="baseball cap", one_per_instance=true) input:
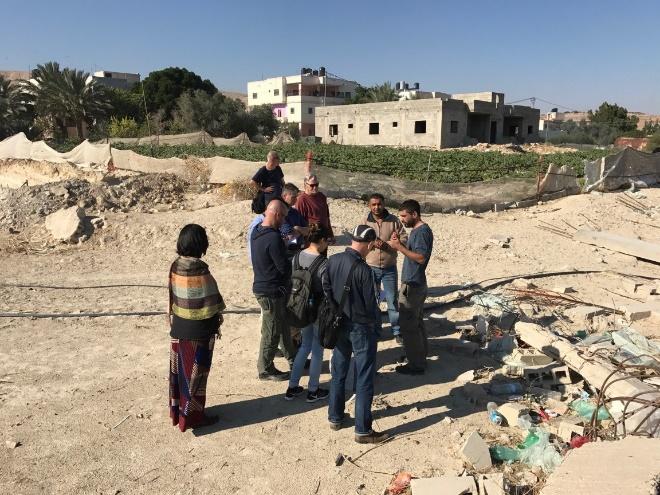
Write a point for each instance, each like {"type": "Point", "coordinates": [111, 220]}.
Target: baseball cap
{"type": "Point", "coordinates": [363, 233]}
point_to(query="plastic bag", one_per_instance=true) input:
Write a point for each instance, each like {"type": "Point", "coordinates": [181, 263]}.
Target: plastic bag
{"type": "Point", "coordinates": [541, 453]}
{"type": "Point", "coordinates": [586, 409]}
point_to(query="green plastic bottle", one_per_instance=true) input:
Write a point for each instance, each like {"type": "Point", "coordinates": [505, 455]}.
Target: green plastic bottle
{"type": "Point", "coordinates": [504, 454]}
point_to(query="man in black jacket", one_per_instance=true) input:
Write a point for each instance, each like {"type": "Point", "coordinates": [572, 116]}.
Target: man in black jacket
{"type": "Point", "coordinates": [272, 275]}
{"type": "Point", "coordinates": [357, 335]}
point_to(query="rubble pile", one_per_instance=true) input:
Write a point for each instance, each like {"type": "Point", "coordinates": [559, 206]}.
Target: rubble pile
{"type": "Point", "coordinates": [25, 206]}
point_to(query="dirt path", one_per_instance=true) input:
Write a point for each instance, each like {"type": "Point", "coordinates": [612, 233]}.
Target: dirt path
{"type": "Point", "coordinates": [87, 398]}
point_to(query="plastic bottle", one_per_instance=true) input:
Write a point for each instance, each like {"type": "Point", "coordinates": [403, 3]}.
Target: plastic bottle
{"type": "Point", "coordinates": [509, 388]}
{"type": "Point", "coordinates": [531, 439]}
{"type": "Point", "coordinates": [525, 422]}
{"type": "Point", "coordinates": [586, 409]}
{"type": "Point", "coordinates": [493, 415]}
{"type": "Point", "coordinates": [504, 454]}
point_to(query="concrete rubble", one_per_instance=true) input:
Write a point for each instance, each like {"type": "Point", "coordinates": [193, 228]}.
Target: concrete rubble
{"type": "Point", "coordinates": [446, 485]}
{"type": "Point", "coordinates": [475, 452]}
{"type": "Point", "coordinates": [67, 224]}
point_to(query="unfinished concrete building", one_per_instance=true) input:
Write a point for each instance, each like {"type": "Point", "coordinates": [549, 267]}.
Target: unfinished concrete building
{"type": "Point", "coordinates": [459, 120]}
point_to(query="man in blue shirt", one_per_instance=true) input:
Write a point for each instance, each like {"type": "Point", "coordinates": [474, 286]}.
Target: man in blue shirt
{"type": "Point", "coordinates": [413, 286]}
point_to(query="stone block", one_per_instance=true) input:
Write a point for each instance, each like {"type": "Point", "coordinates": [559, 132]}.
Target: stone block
{"type": "Point", "coordinates": [553, 374]}
{"type": "Point", "coordinates": [66, 224]}
{"type": "Point", "coordinates": [446, 485]}
{"type": "Point", "coordinates": [492, 484]}
{"type": "Point", "coordinates": [504, 344]}
{"type": "Point", "coordinates": [475, 451]}
{"type": "Point", "coordinates": [511, 411]}
{"type": "Point", "coordinates": [523, 283]}
{"type": "Point", "coordinates": [568, 425]}
{"type": "Point", "coordinates": [582, 314]}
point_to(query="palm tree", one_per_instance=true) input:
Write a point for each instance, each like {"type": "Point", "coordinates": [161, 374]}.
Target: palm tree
{"type": "Point", "coordinates": [12, 109]}
{"type": "Point", "coordinates": [64, 96]}
{"type": "Point", "coordinates": [382, 92]}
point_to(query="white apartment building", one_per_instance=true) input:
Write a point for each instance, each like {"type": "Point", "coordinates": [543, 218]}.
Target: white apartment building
{"type": "Point", "coordinates": [121, 80]}
{"type": "Point", "coordinates": [295, 98]}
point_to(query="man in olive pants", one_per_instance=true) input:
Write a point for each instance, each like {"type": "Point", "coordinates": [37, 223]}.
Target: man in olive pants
{"type": "Point", "coordinates": [272, 274]}
{"type": "Point", "coordinates": [413, 287]}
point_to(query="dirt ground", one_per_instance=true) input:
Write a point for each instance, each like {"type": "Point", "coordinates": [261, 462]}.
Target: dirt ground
{"type": "Point", "coordinates": [87, 398]}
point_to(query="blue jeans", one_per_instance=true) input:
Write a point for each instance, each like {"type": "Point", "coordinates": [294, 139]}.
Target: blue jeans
{"type": "Point", "coordinates": [390, 279]}
{"type": "Point", "coordinates": [361, 341]}
{"type": "Point", "coordinates": [310, 343]}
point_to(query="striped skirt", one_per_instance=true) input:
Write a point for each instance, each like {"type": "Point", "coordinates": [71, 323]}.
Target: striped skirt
{"type": "Point", "coordinates": [190, 362]}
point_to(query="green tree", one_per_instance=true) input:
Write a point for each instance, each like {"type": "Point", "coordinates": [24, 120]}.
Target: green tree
{"type": "Point", "coordinates": [375, 93]}
{"type": "Point", "coordinates": [14, 115]}
{"type": "Point", "coordinates": [264, 119]}
{"type": "Point", "coordinates": [651, 127]}
{"type": "Point", "coordinates": [63, 96]}
{"type": "Point", "coordinates": [614, 116]}
{"type": "Point", "coordinates": [163, 87]}
{"type": "Point", "coordinates": [126, 104]}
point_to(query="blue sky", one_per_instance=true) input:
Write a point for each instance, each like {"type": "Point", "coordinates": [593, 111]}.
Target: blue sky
{"type": "Point", "coordinates": [575, 53]}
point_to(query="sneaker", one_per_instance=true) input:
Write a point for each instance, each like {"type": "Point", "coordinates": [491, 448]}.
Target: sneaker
{"type": "Point", "coordinates": [336, 426]}
{"type": "Point", "coordinates": [372, 437]}
{"type": "Point", "coordinates": [406, 369]}
{"type": "Point", "coordinates": [274, 375]}
{"type": "Point", "coordinates": [292, 393]}
{"type": "Point", "coordinates": [318, 394]}
{"type": "Point", "coordinates": [399, 339]}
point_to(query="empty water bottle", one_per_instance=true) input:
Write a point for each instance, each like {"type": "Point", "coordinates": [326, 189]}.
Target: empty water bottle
{"type": "Point", "coordinates": [525, 422]}
{"type": "Point", "coordinates": [493, 415]}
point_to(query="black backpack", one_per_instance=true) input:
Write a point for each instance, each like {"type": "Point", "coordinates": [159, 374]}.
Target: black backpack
{"type": "Point", "coordinates": [331, 315]}
{"type": "Point", "coordinates": [259, 203]}
{"type": "Point", "coordinates": [302, 306]}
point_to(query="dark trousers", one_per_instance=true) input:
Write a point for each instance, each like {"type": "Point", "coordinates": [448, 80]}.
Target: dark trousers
{"type": "Point", "coordinates": [411, 319]}
{"type": "Point", "coordinates": [361, 341]}
{"type": "Point", "coordinates": [274, 329]}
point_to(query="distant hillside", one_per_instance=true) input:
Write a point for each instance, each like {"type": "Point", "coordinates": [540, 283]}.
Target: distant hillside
{"type": "Point", "coordinates": [235, 95]}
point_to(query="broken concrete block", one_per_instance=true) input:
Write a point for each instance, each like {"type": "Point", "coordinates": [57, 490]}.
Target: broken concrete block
{"type": "Point", "coordinates": [504, 344]}
{"type": "Point", "coordinates": [446, 485]}
{"type": "Point", "coordinates": [565, 426]}
{"type": "Point", "coordinates": [66, 224]}
{"type": "Point", "coordinates": [11, 444]}
{"type": "Point", "coordinates": [505, 320]}
{"type": "Point", "coordinates": [475, 451]}
{"type": "Point", "coordinates": [553, 374]}
{"type": "Point", "coordinates": [500, 240]}
{"type": "Point", "coordinates": [466, 377]}
{"type": "Point", "coordinates": [642, 311]}
{"type": "Point", "coordinates": [511, 411]}
{"type": "Point", "coordinates": [564, 289]}
{"type": "Point", "coordinates": [528, 309]}
{"type": "Point", "coordinates": [582, 314]}
{"type": "Point", "coordinates": [491, 484]}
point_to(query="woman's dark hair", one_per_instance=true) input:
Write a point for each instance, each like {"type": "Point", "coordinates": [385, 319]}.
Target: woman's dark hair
{"type": "Point", "coordinates": [192, 241]}
{"type": "Point", "coordinates": [317, 232]}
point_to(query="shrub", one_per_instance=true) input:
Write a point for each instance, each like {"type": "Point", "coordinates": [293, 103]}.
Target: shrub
{"type": "Point", "coordinates": [124, 127]}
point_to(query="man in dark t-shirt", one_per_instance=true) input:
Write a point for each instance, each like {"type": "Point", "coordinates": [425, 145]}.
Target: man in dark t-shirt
{"type": "Point", "coordinates": [270, 179]}
{"type": "Point", "coordinates": [413, 286]}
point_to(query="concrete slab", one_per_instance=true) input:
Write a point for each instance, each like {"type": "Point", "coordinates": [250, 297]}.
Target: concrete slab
{"type": "Point", "coordinates": [445, 485]}
{"type": "Point", "coordinates": [475, 451]}
{"type": "Point", "coordinates": [511, 411]}
{"type": "Point", "coordinates": [622, 244]}
{"type": "Point", "coordinates": [608, 468]}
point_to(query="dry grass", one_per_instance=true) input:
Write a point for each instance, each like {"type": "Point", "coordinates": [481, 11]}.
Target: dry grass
{"type": "Point", "coordinates": [197, 172]}
{"type": "Point", "coordinates": [237, 190]}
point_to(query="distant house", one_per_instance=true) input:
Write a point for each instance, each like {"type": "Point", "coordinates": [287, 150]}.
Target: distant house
{"type": "Point", "coordinates": [295, 99]}
{"type": "Point", "coordinates": [119, 80]}
{"type": "Point", "coordinates": [459, 120]}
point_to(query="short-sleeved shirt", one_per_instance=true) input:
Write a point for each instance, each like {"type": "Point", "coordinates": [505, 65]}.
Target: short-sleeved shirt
{"type": "Point", "coordinates": [266, 178]}
{"type": "Point", "coordinates": [420, 241]}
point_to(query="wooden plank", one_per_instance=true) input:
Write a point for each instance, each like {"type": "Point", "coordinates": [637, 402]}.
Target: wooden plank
{"type": "Point", "coordinates": [622, 244]}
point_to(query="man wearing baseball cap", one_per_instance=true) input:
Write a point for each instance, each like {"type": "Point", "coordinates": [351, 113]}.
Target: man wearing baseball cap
{"type": "Point", "coordinates": [357, 335]}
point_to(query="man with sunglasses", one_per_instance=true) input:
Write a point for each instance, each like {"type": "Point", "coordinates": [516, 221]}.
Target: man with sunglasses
{"type": "Point", "coordinates": [313, 205]}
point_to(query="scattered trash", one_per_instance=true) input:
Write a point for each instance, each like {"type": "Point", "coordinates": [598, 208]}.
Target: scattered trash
{"type": "Point", "coordinates": [399, 483]}
{"type": "Point", "coordinates": [586, 409]}
{"type": "Point", "coordinates": [493, 415]}
{"type": "Point", "coordinates": [506, 388]}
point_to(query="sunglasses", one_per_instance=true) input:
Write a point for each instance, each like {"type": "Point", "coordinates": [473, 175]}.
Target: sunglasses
{"type": "Point", "coordinates": [313, 185]}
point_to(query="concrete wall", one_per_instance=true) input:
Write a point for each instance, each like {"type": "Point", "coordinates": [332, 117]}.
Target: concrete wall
{"type": "Point", "coordinates": [396, 123]}
{"type": "Point", "coordinates": [472, 117]}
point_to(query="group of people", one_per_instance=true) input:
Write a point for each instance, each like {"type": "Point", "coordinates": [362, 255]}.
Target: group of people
{"type": "Point", "coordinates": [292, 235]}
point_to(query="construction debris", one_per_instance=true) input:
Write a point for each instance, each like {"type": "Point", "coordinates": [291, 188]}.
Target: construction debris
{"type": "Point", "coordinates": [66, 224]}
{"type": "Point", "coordinates": [608, 468]}
{"type": "Point", "coordinates": [626, 245]}
{"type": "Point", "coordinates": [446, 485]}
{"type": "Point", "coordinates": [475, 451]}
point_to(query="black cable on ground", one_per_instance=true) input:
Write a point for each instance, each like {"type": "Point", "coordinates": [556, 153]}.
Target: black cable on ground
{"type": "Point", "coordinates": [27, 314]}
